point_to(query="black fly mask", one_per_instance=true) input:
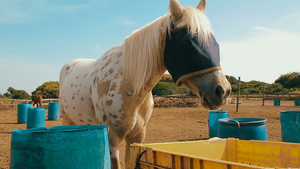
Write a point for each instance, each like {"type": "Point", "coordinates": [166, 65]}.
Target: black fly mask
{"type": "Point", "coordinates": [185, 57]}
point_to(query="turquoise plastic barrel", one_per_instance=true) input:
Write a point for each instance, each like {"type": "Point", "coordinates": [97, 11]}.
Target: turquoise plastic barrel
{"type": "Point", "coordinates": [297, 102]}
{"type": "Point", "coordinates": [213, 123]}
{"type": "Point", "coordinates": [290, 126]}
{"type": "Point", "coordinates": [53, 111]}
{"type": "Point", "coordinates": [22, 112]}
{"type": "Point", "coordinates": [243, 128]}
{"type": "Point", "coordinates": [35, 118]}
{"type": "Point", "coordinates": [276, 102]}
{"type": "Point", "coordinates": [67, 147]}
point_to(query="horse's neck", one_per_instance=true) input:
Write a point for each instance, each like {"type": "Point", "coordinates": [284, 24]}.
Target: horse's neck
{"type": "Point", "coordinates": [143, 54]}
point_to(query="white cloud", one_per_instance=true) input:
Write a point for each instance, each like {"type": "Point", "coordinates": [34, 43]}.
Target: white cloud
{"type": "Point", "coordinates": [266, 56]}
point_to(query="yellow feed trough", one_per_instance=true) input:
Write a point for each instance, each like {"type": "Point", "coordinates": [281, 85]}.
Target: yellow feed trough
{"type": "Point", "coordinates": [217, 153]}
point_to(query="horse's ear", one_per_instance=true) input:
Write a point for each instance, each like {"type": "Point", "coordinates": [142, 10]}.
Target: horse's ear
{"type": "Point", "coordinates": [176, 9]}
{"type": "Point", "coordinates": [201, 6]}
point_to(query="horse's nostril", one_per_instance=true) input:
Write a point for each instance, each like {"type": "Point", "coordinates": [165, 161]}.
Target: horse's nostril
{"type": "Point", "coordinates": [228, 92]}
{"type": "Point", "coordinates": [220, 92]}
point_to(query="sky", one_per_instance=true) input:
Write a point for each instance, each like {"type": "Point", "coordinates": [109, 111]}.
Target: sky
{"type": "Point", "coordinates": [259, 40]}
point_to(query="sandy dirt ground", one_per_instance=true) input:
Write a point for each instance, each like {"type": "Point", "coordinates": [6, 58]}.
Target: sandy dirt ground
{"type": "Point", "coordinates": [167, 124]}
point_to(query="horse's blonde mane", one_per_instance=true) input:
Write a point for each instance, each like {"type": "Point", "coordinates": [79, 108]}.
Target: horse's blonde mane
{"type": "Point", "coordinates": [143, 50]}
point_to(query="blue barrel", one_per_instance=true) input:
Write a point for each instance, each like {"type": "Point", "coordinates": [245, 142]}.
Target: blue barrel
{"type": "Point", "coordinates": [213, 123]}
{"type": "Point", "coordinates": [53, 111]}
{"type": "Point", "coordinates": [35, 118]}
{"type": "Point", "coordinates": [68, 147]}
{"type": "Point", "coordinates": [243, 128]}
{"type": "Point", "coordinates": [297, 102]}
{"type": "Point", "coordinates": [290, 126]}
{"type": "Point", "coordinates": [276, 102]}
{"type": "Point", "coordinates": [22, 112]}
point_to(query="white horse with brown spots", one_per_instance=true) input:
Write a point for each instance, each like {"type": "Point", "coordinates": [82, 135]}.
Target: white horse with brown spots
{"type": "Point", "coordinates": [115, 90]}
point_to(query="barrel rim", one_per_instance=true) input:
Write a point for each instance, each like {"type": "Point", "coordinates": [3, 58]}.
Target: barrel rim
{"type": "Point", "coordinates": [290, 111]}
{"type": "Point", "coordinates": [56, 129]}
{"type": "Point", "coordinates": [241, 123]}
{"type": "Point", "coordinates": [218, 111]}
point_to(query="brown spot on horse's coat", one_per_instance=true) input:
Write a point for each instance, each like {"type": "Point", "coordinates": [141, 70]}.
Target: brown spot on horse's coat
{"type": "Point", "coordinates": [119, 54]}
{"type": "Point", "coordinates": [103, 88]}
{"type": "Point", "coordinates": [85, 75]}
{"type": "Point", "coordinates": [96, 64]}
{"type": "Point", "coordinates": [110, 71]}
{"type": "Point", "coordinates": [81, 120]}
{"type": "Point", "coordinates": [113, 86]}
{"type": "Point", "coordinates": [68, 67]}
{"type": "Point", "coordinates": [70, 72]}
{"type": "Point", "coordinates": [106, 55]}
{"type": "Point", "coordinates": [81, 98]}
{"type": "Point", "coordinates": [108, 102]}
{"type": "Point", "coordinates": [104, 117]}
{"type": "Point", "coordinates": [77, 77]}
{"type": "Point", "coordinates": [73, 97]}
{"type": "Point", "coordinates": [107, 63]}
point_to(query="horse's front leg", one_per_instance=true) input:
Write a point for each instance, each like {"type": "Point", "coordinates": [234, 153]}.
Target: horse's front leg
{"type": "Point", "coordinates": [130, 139]}
{"type": "Point", "coordinates": [114, 143]}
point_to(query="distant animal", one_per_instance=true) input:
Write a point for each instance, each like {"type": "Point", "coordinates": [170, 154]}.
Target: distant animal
{"type": "Point", "coordinates": [37, 100]}
{"type": "Point", "coordinates": [115, 90]}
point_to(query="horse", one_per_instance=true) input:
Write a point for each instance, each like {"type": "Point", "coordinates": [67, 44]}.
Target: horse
{"type": "Point", "coordinates": [115, 90]}
{"type": "Point", "coordinates": [37, 100]}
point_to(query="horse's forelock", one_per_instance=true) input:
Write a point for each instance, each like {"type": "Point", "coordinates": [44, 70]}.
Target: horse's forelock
{"type": "Point", "coordinates": [197, 23]}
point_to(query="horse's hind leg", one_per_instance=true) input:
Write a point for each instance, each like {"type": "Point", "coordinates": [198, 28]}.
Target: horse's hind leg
{"type": "Point", "coordinates": [66, 119]}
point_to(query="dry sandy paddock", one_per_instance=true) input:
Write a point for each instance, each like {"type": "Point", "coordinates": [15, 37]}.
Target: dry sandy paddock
{"type": "Point", "coordinates": [167, 124]}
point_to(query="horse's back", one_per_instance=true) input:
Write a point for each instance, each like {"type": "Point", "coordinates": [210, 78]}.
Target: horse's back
{"type": "Point", "coordinates": [77, 65]}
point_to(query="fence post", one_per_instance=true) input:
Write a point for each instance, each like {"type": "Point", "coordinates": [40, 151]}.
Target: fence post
{"type": "Point", "coordinates": [12, 102]}
{"type": "Point", "coordinates": [238, 95]}
{"type": "Point", "coordinates": [263, 95]}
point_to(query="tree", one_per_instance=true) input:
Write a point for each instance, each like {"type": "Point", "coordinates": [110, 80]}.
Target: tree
{"type": "Point", "coordinates": [166, 78]}
{"type": "Point", "coordinates": [276, 88]}
{"type": "Point", "coordinates": [162, 88]}
{"type": "Point", "coordinates": [232, 80]}
{"type": "Point", "coordinates": [16, 94]}
{"type": "Point", "coordinates": [48, 90]}
{"type": "Point", "coordinates": [289, 80]}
